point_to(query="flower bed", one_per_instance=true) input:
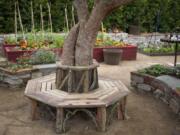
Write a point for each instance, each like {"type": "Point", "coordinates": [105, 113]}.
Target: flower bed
{"type": "Point", "coordinates": [129, 52]}
{"type": "Point", "coordinates": [157, 53]}
{"type": "Point", "coordinates": [12, 54]}
{"type": "Point", "coordinates": [55, 43]}
{"type": "Point", "coordinates": [158, 50]}
{"type": "Point", "coordinates": [162, 81]}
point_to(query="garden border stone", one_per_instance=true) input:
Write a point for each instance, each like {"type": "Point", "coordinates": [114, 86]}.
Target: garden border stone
{"type": "Point", "coordinates": [20, 78]}
{"type": "Point", "coordinates": [145, 83]}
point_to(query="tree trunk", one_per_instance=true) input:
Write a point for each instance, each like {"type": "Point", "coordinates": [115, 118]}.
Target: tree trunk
{"type": "Point", "coordinates": [78, 47]}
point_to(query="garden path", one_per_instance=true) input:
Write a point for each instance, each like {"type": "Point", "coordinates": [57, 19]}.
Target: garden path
{"type": "Point", "coordinates": [148, 116]}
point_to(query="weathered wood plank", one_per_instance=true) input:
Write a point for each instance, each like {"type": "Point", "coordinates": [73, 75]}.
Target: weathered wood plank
{"type": "Point", "coordinates": [70, 83]}
{"type": "Point", "coordinates": [86, 82]}
{"type": "Point", "coordinates": [124, 102]}
{"type": "Point", "coordinates": [34, 108]}
{"type": "Point", "coordinates": [53, 85]}
{"type": "Point", "coordinates": [101, 115]}
{"type": "Point", "coordinates": [64, 81]}
{"type": "Point", "coordinates": [59, 120]}
{"type": "Point", "coordinates": [120, 113]}
{"type": "Point", "coordinates": [43, 86]}
{"type": "Point", "coordinates": [80, 82]}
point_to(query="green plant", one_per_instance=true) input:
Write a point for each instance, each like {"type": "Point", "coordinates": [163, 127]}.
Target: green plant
{"type": "Point", "coordinates": [157, 70]}
{"type": "Point", "coordinates": [25, 59]}
{"type": "Point", "coordinates": [43, 57]}
{"type": "Point", "coordinates": [14, 67]}
{"type": "Point", "coordinates": [158, 49]}
{"type": "Point", "coordinates": [10, 40]}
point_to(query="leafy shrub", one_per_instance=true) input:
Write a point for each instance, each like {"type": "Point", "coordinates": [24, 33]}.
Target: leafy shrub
{"type": "Point", "coordinates": [24, 59]}
{"type": "Point", "coordinates": [158, 50]}
{"type": "Point", "coordinates": [158, 70]}
{"type": "Point", "coordinates": [43, 57]}
{"type": "Point", "coordinates": [16, 67]}
{"type": "Point", "coordinates": [10, 40]}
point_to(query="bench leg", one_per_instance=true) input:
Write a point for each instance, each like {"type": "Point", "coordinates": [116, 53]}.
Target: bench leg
{"type": "Point", "coordinates": [101, 118]}
{"type": "Point", "coordinates": [121, 109]}
{"type": "Point", "coordinates": [34, 107]}
{"type": "Point", "coordinates": [59, 120]}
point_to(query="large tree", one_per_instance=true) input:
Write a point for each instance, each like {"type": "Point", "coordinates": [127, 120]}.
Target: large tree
{"type": "Point", "coordinates": [78, 46]}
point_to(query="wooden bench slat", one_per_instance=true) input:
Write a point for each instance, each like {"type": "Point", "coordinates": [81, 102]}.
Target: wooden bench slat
{"type": "Point", "coordinates": [109, 91]}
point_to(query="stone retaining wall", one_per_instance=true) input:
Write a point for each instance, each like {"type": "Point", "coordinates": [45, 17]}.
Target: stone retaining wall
{"type": "Point", "coordinates": [19, 79]}
{"type": "Point", "coordinates": [149, 84]}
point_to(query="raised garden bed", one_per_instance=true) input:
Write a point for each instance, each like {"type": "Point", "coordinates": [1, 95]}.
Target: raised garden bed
{"type": "Point", "coordinates": [129, 52]}
{"type": "Point", "coordinates": [158, 54]}
{"type": "Point", "coordinates": [12, 54]}
{"type": "Point", "coordinates": [7, 45]}
{"type": "Point", "coordinates": [164, 87]}
{"type": "Point", "coordinates": [17, 79]}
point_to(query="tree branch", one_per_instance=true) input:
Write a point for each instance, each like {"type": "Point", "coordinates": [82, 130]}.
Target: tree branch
{"type": "Point", "coordinates": [113, 4]}
{"type": "Point", "coordinates": [82, 9]}
{"type": "Point", "coordinates": [101, 9]}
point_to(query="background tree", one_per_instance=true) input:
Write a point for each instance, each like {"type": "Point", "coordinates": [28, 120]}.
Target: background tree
{"type": "Point", "coordinates": [145, 10]}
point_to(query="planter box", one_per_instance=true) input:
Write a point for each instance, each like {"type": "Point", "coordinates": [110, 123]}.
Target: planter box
{"type": "Point", "coordinates": [129, 53]}
{"type": "Point", "coordinates": [98, 54]}
{"type": "Point", "coordinates": [13, 54]}
{"type": "Point", "coordinates": [7, 45]}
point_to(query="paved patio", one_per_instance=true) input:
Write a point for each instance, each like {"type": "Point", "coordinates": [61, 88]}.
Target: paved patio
{"type": "Point", "coordinates": [148, 116]}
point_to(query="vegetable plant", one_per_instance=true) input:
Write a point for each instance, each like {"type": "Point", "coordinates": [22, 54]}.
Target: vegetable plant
{"type": "Point", "coordinates": [158, 70]}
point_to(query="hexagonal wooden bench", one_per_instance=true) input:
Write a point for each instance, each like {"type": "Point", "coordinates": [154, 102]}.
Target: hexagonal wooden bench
{"type": "Point", "coordinates": [109, 92]}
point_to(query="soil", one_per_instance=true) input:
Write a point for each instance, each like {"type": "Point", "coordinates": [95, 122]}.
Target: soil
{"type": "Point", "coordinates": [148, 116]}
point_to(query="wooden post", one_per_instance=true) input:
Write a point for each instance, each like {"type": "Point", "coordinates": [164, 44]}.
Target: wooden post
{"type": "Point", "coordinates": [66, 19]}
{"type": "Point", "coordinates": [34, 113]}
{"type": "Point", "coordinates": [86, 82]}
{"type": "Point", "coordinates": [120, 114]}
{"type": "Point", "coordinates": [73, 18]}
{"type": "Point", "coordinates": [70, 82]}
{"type": "Point", "coordinates": [121, 109]}
{"type": "Point", "coordinates": [42, 21]}
{"type": "Point", "coordinates": [20, 20]}
{"type": "Point", "coordinates": [77, 79]}
{"type": "Point", "coordinates": [59, 120]}
{"type": "Point", "coordinates": [101, 118]}
{"type": "Point", "coordinates": [15, 21]}
{"type": "Point", "coordinates": [50, 19]}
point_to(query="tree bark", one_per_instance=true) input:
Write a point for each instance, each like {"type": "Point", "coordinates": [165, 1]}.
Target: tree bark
{"type": "Point", "coordinates": [68, 56]}
{"type": "Point", "coordinates": [78, 47]}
